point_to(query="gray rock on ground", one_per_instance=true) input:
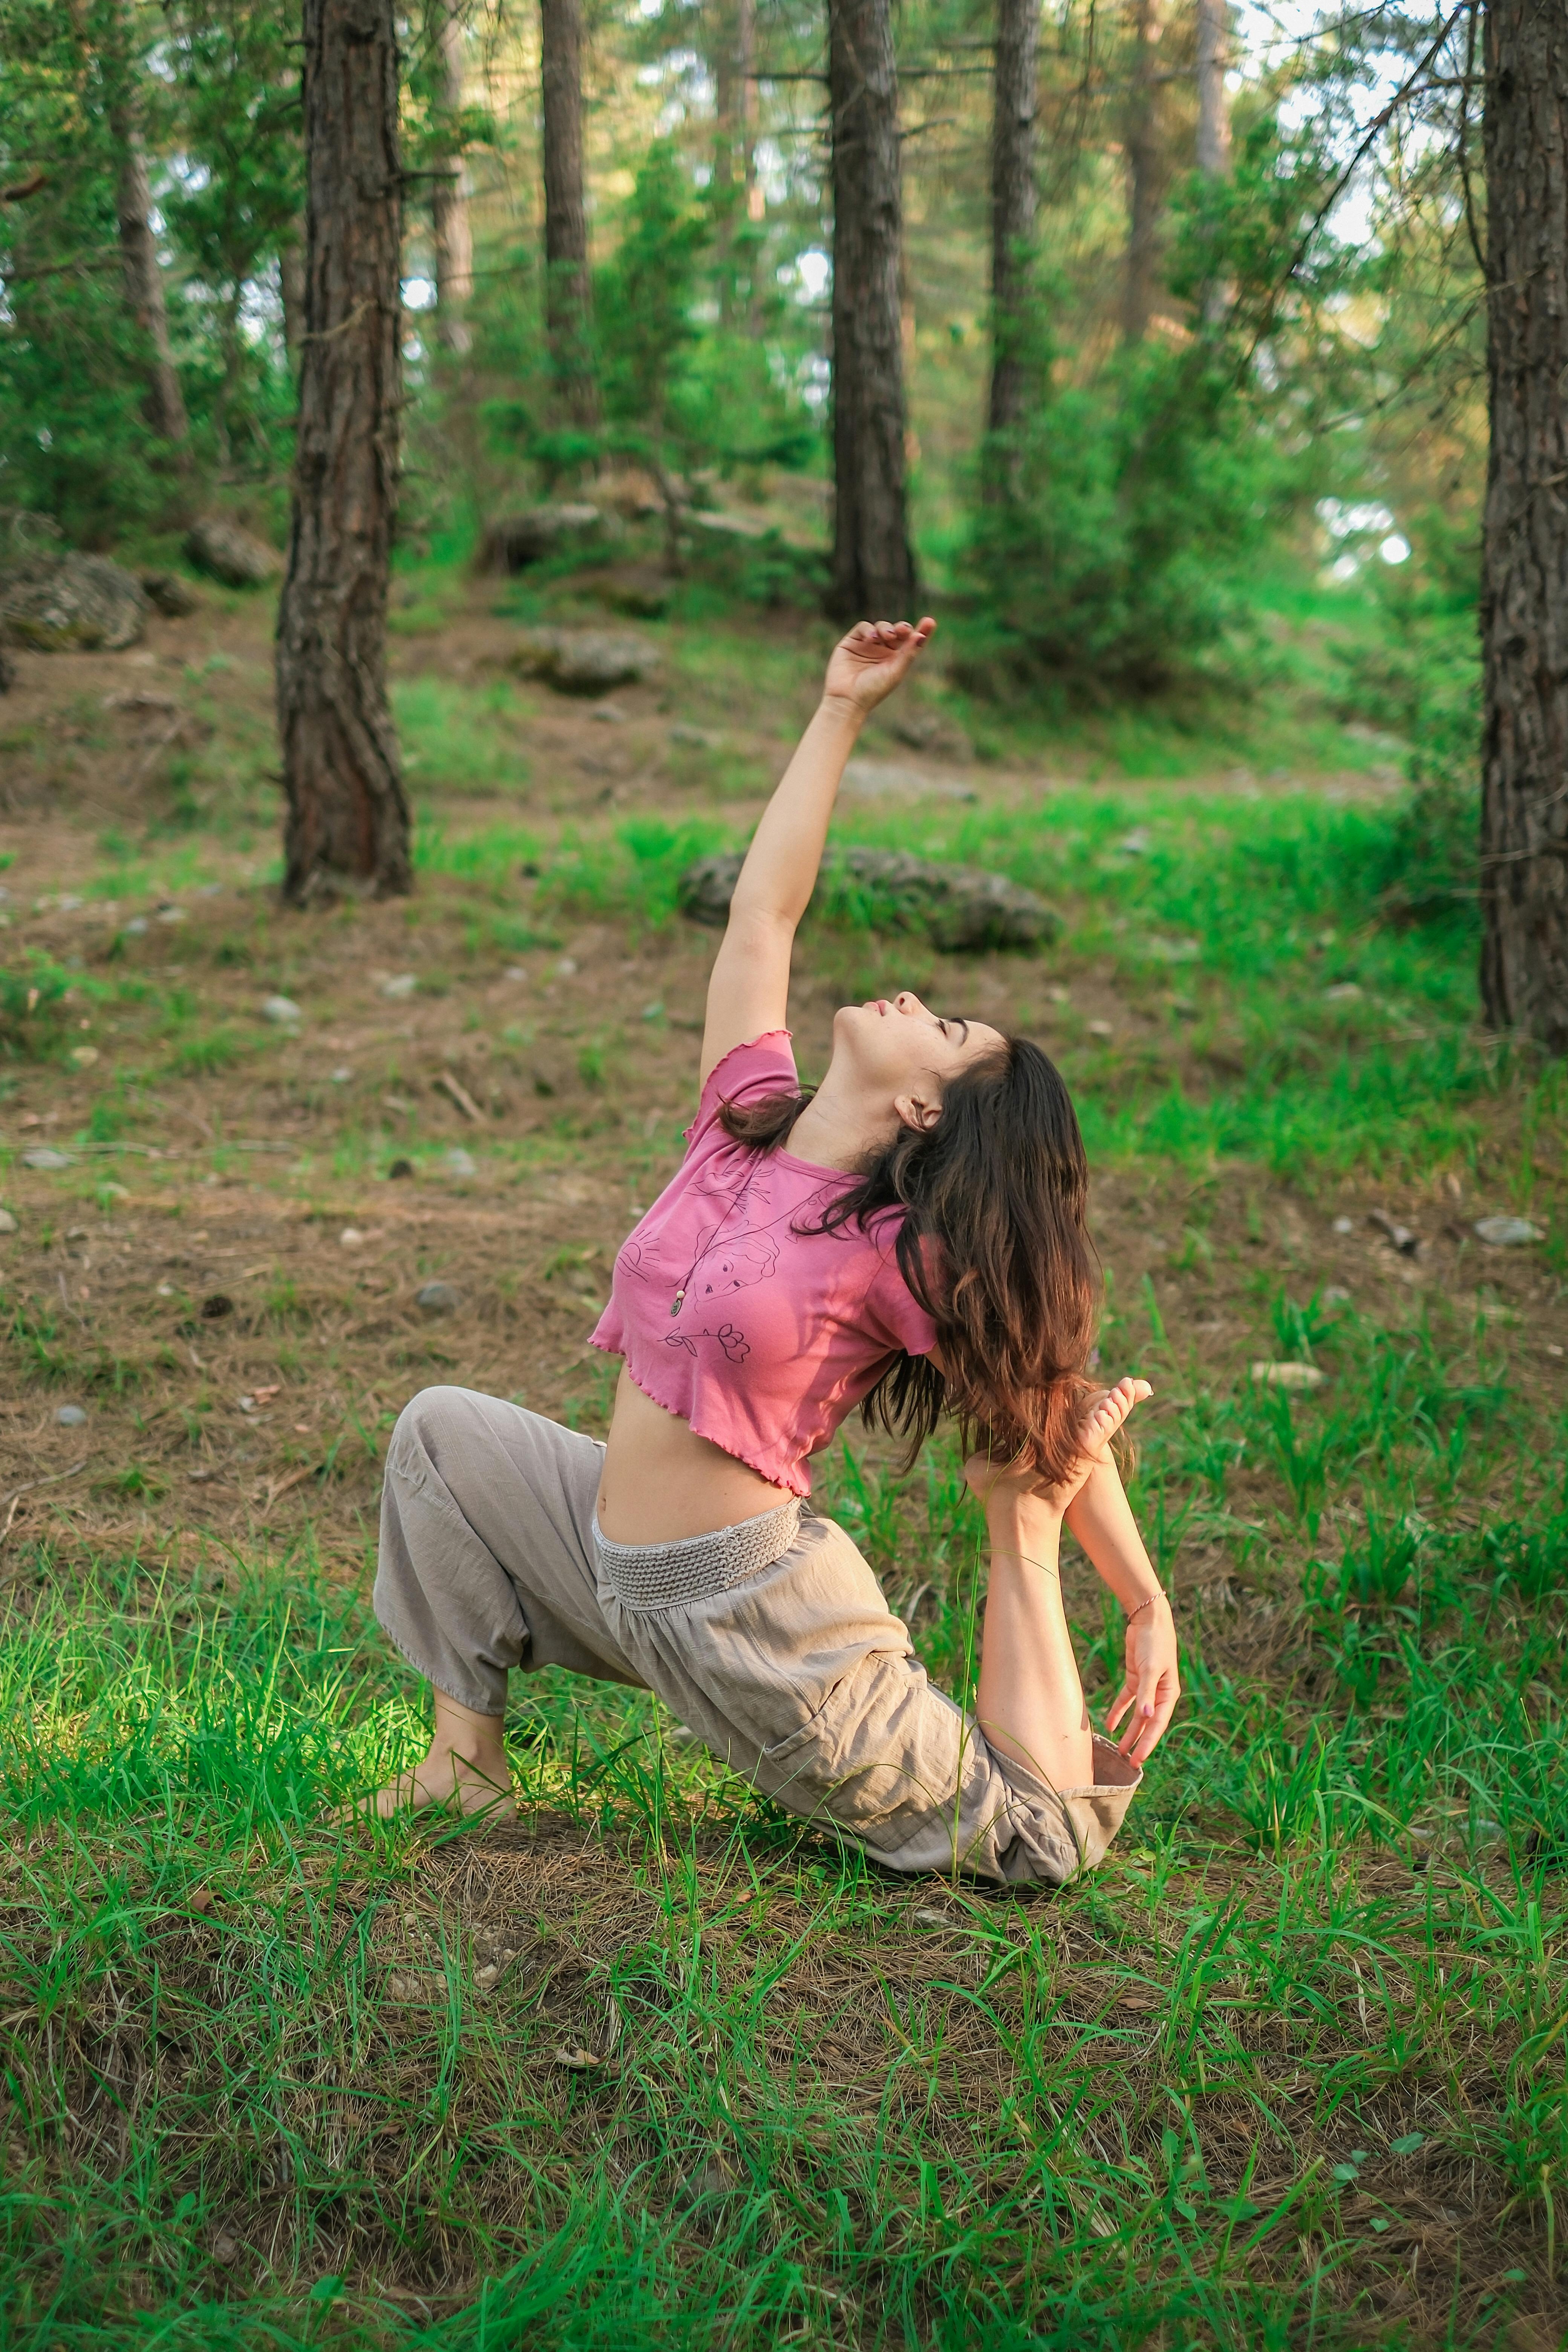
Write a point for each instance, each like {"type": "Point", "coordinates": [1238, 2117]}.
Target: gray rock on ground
{"type": "Point", "coordinates": [230, 553]}
{"type": "Point", "coordinates": [512, 542]}
{"type": "Point", "coordinates": [57, 601]}
{"type": "Point", "coordinates": [585, 661]}
{"type": "Point", "coordinates": [173, 597]}
{"type": "Point", "coordinates": [959, 907]}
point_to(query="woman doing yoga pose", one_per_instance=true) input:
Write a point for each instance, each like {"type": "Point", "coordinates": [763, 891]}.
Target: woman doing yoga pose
{"type": "Point", "coordinates": [909, 1238]}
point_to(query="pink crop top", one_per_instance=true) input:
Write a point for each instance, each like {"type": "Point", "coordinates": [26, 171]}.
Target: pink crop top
{"type": "Point", "coordinates": [760, 1337]}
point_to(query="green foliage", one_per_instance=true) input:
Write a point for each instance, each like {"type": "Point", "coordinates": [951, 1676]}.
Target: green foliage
{"type": "Point", "coordinates": [33, 1003]}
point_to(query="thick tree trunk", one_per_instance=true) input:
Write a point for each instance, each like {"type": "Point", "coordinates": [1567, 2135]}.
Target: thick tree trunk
{"type": "Point", "coordinates": [454, 235]}
{"type": "Point", "coordinates": [348, 818]}
{"type": "Point", "coordinates": [735, 151]}
{"type": "Point", "coordinates": [1012, 232]}
{"type": "Point", "coordinates": [568, 291]}
{"type": "Point", "coordinates": [873, 565]}
{"type": "Point", "coordinates": [1525, 587]}
{"type": "Point", "coordinates": [1141, 144]}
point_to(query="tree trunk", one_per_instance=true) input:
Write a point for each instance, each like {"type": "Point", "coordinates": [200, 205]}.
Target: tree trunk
{"type": "Point", "coordinates": [1214, 129]}
{"type": "Point", "coordinates": [1141, 147]}
{"type": "Point", "coordinates": [873, 565]}
{"type": "Point", "coordinates": [1214, 98]}
{"type": "Point", "coordinates": [568, 291]}
{"type": "Point", "coordinates": [454, 232]}
{"type": "Point", "coordinates": [734, 154]}
{"type": "Point", "coordinates": [291, 287]}
{"type": "Point", "coordinates": [348, 818]}
{"type": "Point", "coordinates": [1524, 585]}
{"type": "Point", "coordinates": [1012, 233]}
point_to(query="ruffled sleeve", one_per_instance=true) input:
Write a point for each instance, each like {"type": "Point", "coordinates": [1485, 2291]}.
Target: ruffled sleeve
{"type": "Point", "coordinates": [746, 1074]}
{"type": "Point", "coordinates": [894, 1307]}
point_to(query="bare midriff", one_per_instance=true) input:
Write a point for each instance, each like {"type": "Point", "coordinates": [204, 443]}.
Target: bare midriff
{"type": "Point", "coordinates": [661, 1482]}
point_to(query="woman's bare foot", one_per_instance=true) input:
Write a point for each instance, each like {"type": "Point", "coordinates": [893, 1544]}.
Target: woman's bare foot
{"type": "Point", "coordinates": [1102, 1418]}
{"type": "Point", "coordinates": [465, 1773]}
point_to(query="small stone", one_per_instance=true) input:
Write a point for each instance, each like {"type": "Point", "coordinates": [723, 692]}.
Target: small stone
{"type": "Point", "coordinates": [437, 1298]}
{"type": "Point", "coordinates": [233, 555]}
{"type": "Point", "coordinates": [341, 1075]}
{"type": "Point", "coordinates": [71, 1416]}
{"type": "Point", "coordinates": [350, 1238]}
{"type": "Point", "coordinates": [1345, 992]}
{"type": "Point", "coordinates": [171, 914]}
{"type": "Point", "coordinates": [460, 1163]}
{"type": "Point", "coordinates": [170, 594]}
{"type": "Point", "coordinates": [401, 984]}
{"type": "Point", "coordinates": [654, 1011]}
{"type": "Point", "coordinates": [515, 971]}
{"type": "Point", "coordinates": [693, 738]}
{"type": "Point", "coordinates": [84, 1056]}
{"type": "Point", "coordinates": [215, 1309]}
{"type": "Point", "coordinates": [1136, 844]}
{"type": "Point", "coordinates": [1288, 1376]}
{"type": "Point", "coordinates": [487, 1976]}
{"type": "Point", "coordinates": [1507, 1233]}
{"type": "Point", "coordinates": [399, 1169]}
{"type": "Point", "coordinates": [1336, 1295]}
{"type": "Point", "coordinates": [225, 2247]}
{"type": "Point", "coordinates": [47, 1159]}
{"type": "Point", "coordinates": [137, 928]}
{"type": "Point", "coordinates": [608, 714]}
{"type": "Point", "coordinates": [281, 1009]}
{"type": "Point", "coordinates": [1101, 1029]}
{"type": "Point", "coordinates": [7, 1222]}
{"type": "Point", "coordinates": [565, 966]}
{"type": "Point", "coordinates": [1344, 1224]}
{"type": "Point", "coordinates": [1059, 995]}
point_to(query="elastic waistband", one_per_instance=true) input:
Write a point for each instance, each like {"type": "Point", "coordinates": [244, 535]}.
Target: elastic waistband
{"type": "Point", "coordinates": [663, 1576]}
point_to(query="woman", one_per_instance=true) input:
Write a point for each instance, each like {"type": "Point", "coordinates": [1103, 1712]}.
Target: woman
{"type": "Point", "coordinates": [911, 1238]}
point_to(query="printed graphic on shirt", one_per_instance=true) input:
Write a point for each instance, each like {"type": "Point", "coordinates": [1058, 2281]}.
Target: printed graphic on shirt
{"type": "Point", "coordinates": [732, 1340]}
{"type": "Point", "coordinates": [726, 1259]}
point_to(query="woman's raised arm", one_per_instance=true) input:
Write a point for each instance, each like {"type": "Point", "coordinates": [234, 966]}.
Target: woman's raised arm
{"type": "Point", "coordinates": [748, 991]}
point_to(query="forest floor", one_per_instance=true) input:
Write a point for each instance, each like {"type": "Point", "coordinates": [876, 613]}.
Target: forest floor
{"type": "Point", "coordinates": [657, 2067]}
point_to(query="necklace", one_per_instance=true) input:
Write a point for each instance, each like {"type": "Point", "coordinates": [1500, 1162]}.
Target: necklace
{"type": "Point", "coordinates": [679, 1301]}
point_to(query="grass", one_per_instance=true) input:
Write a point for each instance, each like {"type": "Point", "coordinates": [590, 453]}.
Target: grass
{"type": "Point", "coordinates": [661, 2069]}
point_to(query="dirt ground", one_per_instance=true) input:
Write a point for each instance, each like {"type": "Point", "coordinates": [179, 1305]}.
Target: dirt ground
{"type": "Point", "coordinates": [226, 1282]}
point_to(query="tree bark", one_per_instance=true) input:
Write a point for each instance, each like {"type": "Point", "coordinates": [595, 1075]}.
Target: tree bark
{"type": "Point", "coordinates": [735, 151]}
{"type": "Point", "coordinates": [1524, 586]}
{"type": "Point", "coordinates": [165, 405]}
{"type": "Point", "coordinates": [291, 287]}
{"type": "Point", "coordinates": [1214, 98]}
{"type": "Point", "coordinates": [1141, 144]}
{"type": "Point", "coordinates": [454, 235]}
{"type": "Point", "coordinates": [347, 825]}
{"type": "Point", "coordinates": [873, 563]}
{"type": "Point", "coordinates": [568, 288]}
{"type": "Point", "coordinates": [1012, 232]}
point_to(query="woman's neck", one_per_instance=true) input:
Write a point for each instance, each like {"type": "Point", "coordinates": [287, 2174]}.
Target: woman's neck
{"type": "Point", "coordinates": [836, 1130]}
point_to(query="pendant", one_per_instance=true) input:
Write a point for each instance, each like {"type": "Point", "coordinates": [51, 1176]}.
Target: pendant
{"type": "Point", "coordinates": [679, 1301]}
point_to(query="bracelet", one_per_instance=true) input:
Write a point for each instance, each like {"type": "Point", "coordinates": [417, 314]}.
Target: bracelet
{"type": "Point", "coordinates": [1149, 1602]}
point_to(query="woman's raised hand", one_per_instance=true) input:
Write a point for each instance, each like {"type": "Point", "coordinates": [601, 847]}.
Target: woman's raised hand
{"type": "Point", "coordinates": [874, 658]}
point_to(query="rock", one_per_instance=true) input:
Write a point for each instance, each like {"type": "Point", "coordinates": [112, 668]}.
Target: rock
{"type": "Point", "coordinates": [281, 1009]}
{"type": "Point", "coordinates": [879, 780]}
{"type": "Point", "coordinates": [173, 597]}
{"type": "Point", "coordinates": [47, 1159]}
{"type": "Point", "coordinates": [585, 661]}
{"type": "Point", "coordinates": [512, 542]}
{"type": "Point", "coordinates": [399, 1169]}
{"type": "Point", "coordinates": [230, 553]}
{"type": "Point", "coordinates": [1136, 844]}
{"type": "Point", "coordinates": [137, 928]}
{"type": "Point", "coordinates": [58, 602]}
{"type": "Point", "coordinates": [1507, 1233]}
{"type": "Point", "coordinates": [7, 1222]}
{"type": "Point", "coordinates": [437, 1298]}
{"type": "Point", "coordinates": [71, 1416]}
{"type": "Point", "coordinates": [958, 906]}
{"type": "Point", "coordinates": [1345, 992]}
{"type": "Point", "coordinates": [460, 1163]}
{"type": "Point", "coordinates": [694, 739]}
{"type": "Point", "coordinates": [1288, 1376]}
{"type": "Point", "coordinates": [215, 1309]}
{"type": "Point", "coordinates": [402, 984]}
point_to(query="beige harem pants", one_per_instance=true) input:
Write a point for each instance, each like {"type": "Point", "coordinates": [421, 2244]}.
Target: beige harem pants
{"type": "Point", "coordinates": [800, 1677]}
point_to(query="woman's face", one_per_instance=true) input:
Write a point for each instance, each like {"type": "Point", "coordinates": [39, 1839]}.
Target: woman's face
{"type": "Point", "coordinates": [896, 1048]}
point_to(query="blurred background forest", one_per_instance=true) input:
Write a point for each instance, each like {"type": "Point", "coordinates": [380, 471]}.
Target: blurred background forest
{"type": "Point", "coordinates": [1247, 324]}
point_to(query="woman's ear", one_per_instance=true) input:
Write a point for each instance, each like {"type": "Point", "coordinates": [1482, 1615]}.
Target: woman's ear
{"type": "Point", "coordinates": [918, 1111]}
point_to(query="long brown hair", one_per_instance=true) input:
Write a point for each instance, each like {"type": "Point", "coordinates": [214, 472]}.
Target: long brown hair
{"type": "Point", "coordinates": [993, 1245]}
